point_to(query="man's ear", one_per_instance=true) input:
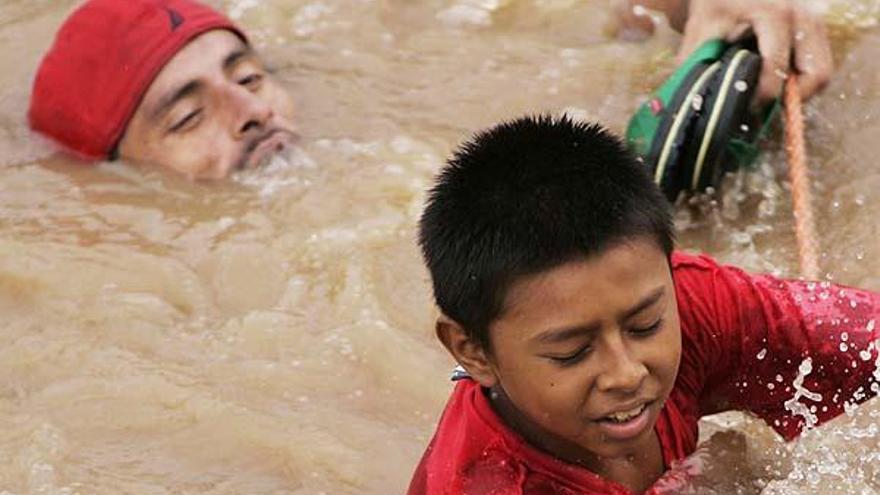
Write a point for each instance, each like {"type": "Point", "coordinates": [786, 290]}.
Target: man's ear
{"type": "Point", "coordinates": [466, 350]}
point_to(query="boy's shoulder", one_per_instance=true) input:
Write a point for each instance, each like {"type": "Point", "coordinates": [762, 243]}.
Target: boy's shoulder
{"type": "Point", "coordinates": [714, 299]}
{"type": "Point", "coordinates": [468, 447]}
{"type": "Point", "coordinates": [474, 452]}
{"type": "Point", "coordinates": [698, 277]}
{"type": "Point", "coordinates": [682, 260]}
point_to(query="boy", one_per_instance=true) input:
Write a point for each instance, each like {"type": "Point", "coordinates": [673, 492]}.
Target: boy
{"type": "Point", "coordinates": [593, 348]}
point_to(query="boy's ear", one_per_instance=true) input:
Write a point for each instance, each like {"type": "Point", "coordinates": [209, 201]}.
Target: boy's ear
{"type": "Point", "coordinates": [466, 350]}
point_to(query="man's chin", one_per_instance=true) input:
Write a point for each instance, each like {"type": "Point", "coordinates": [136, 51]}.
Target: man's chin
{"type": "Point", "coordinates": [275, 143]}
{"type": "Point", "coordinates": [283, 167]}
{"type": "Point", "coordinates": [279, 157]}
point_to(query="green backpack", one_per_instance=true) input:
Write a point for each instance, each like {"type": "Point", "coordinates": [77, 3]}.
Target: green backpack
{"type": "Point", "coordinates": [698, 125]}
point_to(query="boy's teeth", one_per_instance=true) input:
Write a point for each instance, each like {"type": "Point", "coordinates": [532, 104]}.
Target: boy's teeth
{"type": "Point", "coordinates": [626, 415]}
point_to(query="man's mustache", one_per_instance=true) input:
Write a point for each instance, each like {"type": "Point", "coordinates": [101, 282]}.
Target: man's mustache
{"type": "Point", "coordinates": [252, 145]}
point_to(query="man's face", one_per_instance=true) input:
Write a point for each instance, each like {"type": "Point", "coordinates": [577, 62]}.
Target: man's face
{"type": "Point", "coordinates": [213, 109]}
{"type": "Point", "coordinates": [584, 355]}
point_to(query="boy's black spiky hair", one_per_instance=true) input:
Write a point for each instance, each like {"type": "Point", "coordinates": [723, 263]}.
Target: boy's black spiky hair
{"type": "Point", "coordinates": [527, 196]}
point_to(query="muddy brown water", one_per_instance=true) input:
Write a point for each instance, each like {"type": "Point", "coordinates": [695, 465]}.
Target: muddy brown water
{"type": "Point", "coordinates": [273, 334]}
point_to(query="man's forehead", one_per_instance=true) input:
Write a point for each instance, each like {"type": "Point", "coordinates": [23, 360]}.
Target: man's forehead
{"type": "Point", "coordinates": [203, 56]}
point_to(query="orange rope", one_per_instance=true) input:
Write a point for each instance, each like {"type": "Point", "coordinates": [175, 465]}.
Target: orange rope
{"type": "Point", "coordinates": [795, 149]}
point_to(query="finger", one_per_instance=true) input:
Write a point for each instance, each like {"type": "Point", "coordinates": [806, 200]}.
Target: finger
{"type": "Point", "coordinates": [812, 54]}
{"type": "Point", "coordinates": [706, 20]}
{"type": "Point", "coordinates": [773, 28]}
{"type": "Point", "coordinates": [695, 34]}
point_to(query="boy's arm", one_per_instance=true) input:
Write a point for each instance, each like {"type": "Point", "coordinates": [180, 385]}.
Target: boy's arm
{"type": "Point", "coordinates": [792, 352]}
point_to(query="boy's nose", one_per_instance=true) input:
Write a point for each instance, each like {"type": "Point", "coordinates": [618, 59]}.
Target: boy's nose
{"type": "Point", "coordinates": [622, 372]}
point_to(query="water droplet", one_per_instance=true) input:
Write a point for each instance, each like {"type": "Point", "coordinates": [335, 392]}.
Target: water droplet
{"type": "Point", "coordinates": [865, 355]}
{"type": "Point", "coordinates": [741, 86]}
{"type": "Point", "coordinates": [697, 102]}
{"type": "Point", "coordinates": [844, 336]}
{"type": "Point", "coordinates": [843, 347]}
{"type": "Point", "coordinates": [794, 405]}
{"type": "Point", "coordinates": [762, 354]}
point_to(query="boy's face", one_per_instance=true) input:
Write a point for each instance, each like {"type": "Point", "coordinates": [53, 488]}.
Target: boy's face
{"type": "Point", "coordinates": [211, 110]}
{"type": "Point", "coordinates": [584, 355]}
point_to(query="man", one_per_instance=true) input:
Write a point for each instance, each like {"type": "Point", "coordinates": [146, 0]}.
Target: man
{"type": "Point", "coordinates": [176, 84]}
{"type": "Point", "coordinates": [167, 82]}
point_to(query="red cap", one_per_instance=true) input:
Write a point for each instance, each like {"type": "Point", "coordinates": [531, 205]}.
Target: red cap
{"type": "Point", "coordinates": [104, 58]}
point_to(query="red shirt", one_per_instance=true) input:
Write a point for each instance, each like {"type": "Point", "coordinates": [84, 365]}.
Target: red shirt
{"type": "Point", "coordinates": [744, 338]}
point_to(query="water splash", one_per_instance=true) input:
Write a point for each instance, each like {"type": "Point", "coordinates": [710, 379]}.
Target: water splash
{"type": "Point", "coordinates": [311, 18]}
{"type": "Point", "coordinates": [237, 10]}
{"type": "Point", "coordinates": [794, 405]}
{"type": "Point", "coordinates": [471, 13]}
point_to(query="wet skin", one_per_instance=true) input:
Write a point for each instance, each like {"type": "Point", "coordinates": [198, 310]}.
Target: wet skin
{"type": "Point", "coordinates": [211, 110]}
{"type": "Point", "coordinates": [580, 342]}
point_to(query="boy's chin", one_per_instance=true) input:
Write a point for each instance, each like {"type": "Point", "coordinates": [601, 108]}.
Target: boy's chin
{"type": "Point", "coordinates": [616, 441]}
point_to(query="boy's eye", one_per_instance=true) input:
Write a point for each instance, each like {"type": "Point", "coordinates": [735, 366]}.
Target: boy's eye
{"type": "Point", "coordinates": [645, 331]}
{"type": "Point", "coordinates": [187, 122]}
{"type": "Point", "coordinates": [572, 358]}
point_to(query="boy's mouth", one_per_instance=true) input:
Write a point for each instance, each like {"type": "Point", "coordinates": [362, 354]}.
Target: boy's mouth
{"type": "Point", "coordinates": [624, 416]}
{"type": "Point", "coordinates": [626, 424]}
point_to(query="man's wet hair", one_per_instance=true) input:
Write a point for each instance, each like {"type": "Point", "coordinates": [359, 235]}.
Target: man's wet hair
{"type": "Point", "coordinates": [527, 196]}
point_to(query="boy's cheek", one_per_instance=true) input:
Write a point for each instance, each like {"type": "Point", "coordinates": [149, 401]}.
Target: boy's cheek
{"type": "Point", "coordinates": [666, 356]}
{"type": "Point", "coordinates": [550, 395]}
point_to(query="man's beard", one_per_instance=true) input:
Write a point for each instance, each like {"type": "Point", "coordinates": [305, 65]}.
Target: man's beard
{"type": "Point", "coordinates": [288, 167]}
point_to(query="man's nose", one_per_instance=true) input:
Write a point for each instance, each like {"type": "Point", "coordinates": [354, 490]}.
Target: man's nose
{"type": "Point", "coordinates": [251, 113]}
{"type": "Point", "coordinates": [622, 371]}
